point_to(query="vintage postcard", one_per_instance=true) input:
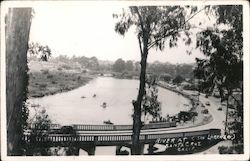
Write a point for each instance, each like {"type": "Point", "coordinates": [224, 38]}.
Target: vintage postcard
{"type": "Point", "coordinates": [125, 80]}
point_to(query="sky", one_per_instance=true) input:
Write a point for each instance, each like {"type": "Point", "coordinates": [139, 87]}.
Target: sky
{"type": "Point", "coordinates": [88, 30]}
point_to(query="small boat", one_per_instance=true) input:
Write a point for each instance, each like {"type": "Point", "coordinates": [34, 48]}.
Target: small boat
{"type": "Point", "coordinates": [108, 122]}
{"type": "Point", "coordinates": [83, 97]}
{"type": "Point", "coordinates": [104, 105]}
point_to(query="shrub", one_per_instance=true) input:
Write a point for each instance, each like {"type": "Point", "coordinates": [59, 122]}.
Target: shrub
{"type": "Point", "coordinates": [54, 82]}
{"type": "Point", "coordinates": [45, 71]}
{"type": "Point", "coordinates": [43, 85]}
{"type": "Point", "coordinates": [49, 76]}
{"type": "Point", "coordinates": [225, 150]}
{"type": "Point", "coordinates": [67, 67]}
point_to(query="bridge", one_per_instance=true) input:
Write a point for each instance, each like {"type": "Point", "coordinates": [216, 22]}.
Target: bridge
{"type": "Point", "coordinates": [87, 137]}
{"type": "Point", "coordinates": [88, 140]}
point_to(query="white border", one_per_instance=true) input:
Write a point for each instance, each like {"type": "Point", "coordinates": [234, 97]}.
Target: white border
{"type": "Point", "coordinates": [246, 57]}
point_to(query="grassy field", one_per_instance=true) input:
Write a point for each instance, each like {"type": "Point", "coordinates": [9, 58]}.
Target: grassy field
{"type": "Point", "coordinates": [48, 78]}
{"type": "Point", "coordinates": [52, 82]}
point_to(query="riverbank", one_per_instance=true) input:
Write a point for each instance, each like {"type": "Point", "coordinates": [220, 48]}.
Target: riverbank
{"type": "Point", "coordinates": [45, 82]}
{"type": "Point", "coordinates": [201, 118]}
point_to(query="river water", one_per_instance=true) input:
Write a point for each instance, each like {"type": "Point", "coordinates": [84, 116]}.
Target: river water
{"type": "Point", "coordinates": [70, 108]}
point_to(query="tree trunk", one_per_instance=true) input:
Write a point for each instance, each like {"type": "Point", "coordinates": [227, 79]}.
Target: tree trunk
{"type": "Point", "coordinates": [17, 25]}
{"type": "Point", "coordinates": [137, 105]}
{"type": "Point", "coordinates": [226, 127]}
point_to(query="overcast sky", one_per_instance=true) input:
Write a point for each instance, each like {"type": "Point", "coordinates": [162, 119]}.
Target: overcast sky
{"type": "Point", "coordinates": [88, 30]}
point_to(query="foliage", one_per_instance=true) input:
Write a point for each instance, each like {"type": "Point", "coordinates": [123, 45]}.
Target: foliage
{"type": "Point", "coordinates": [158, 23]}
{"type": "Point", "coordinates": [25, 109]}
{"type": "Point", "coordinates": [236, 149]}
{"type": "Point", "coordinates": [129, 65]}
{"type": "Point", "coordinates": [166, 77]}
{"type": "Point", "coordinates": [150, 103]}
{"type": "Point", "coordinates": [178, 79]}
{"type": "Point", "coordinates": [224, 65]}
{"type": "Point", "coordinates": [223, 68]}
{"type": "Point", "coordinates": [35, 49]}
{"type": "Point", "coordinates": [42, 120]}
{"type": "Point", "coordinates": [119, 65]}
{"type": "Point", "coordinates": [93, 63]}
{"type": "Point", "coordinates": [185, 70]}
{"type": "Point", "coordinates": [85, 62]}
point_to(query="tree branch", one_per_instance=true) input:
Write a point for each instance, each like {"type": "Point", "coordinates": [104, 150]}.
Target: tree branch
{"type": "Point", "coordinates": [161, 37]}
{"type": "Point", "coordinates": [139, 39]}
{"type": "Point", "coordinates": [165, 35]}
{"type": "Point", "coordinates": [238, 102]}
{"type": "Point", "coordinates": [140, 19]}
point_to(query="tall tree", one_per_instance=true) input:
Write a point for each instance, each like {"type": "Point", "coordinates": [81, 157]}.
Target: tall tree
{"type": "Point", "coordinates": [223, 67]}
{"type": "Point", "coordinates": [93, 63]}
{"type": "Point", "coordinates": [129, 65]}
{"type": "Point", "coordinates": [17, 29]}
{"type": "Point", "coordinates": [119, 65]}
{"type": "Point", "coordinates": [155, 27]}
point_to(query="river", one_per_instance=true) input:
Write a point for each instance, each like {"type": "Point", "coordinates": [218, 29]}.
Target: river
{"type": "Point", "coordinates": [80, 107]}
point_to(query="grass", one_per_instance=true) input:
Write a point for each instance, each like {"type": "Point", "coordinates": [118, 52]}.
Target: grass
{"type": "Point", "coordinates": [45, 82]}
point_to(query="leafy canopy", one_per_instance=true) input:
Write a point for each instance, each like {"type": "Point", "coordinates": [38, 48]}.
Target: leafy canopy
{"type": "Point", "coordinates": [157, 24]}
{"type": "Point", "coordinates": [223, 48]}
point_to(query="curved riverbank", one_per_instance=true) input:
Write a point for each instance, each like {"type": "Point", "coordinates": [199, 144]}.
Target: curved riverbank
{"type": "Point", "coordinates": [45, 82]}
{"type": "Point", "coordinates": [196, 107]}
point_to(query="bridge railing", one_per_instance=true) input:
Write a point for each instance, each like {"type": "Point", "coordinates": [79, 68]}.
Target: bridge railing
{"type": "Point", "coordinates": [123, 127]}
{"type": "Point", "coordinates": [104, 127]}
{"type": "Point", "coordinates": [159, 125]}
{"type": "Point", "coordinates": [116, 138]}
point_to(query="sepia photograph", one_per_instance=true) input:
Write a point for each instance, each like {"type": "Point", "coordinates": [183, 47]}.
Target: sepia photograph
{"type": "Point", "coordinates": [113, 79]}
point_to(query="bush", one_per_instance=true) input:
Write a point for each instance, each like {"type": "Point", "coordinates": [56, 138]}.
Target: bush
{"type": "Point", "coordinates": [67, 67]}
{"type": "Point", "coordinates": [45, 71]}
{"type": "Point", "coordinates": [49, 76]}
{"type": "Point", "coordinates": [84, 71]}
{"type": "Point", "coordinates": [54, 82]}
{"type": "Point", "coordinates": [225, 150]}
{"type": "Point", "coordinates": [43, 85]}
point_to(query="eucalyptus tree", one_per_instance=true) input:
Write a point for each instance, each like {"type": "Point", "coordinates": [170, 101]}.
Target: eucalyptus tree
{"type": "Point", "coordinates": [36, 49]}
{"type": "Point", "coordinates": [223, 66]}
{"type": "Point", "coordinates": [156, 27]}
